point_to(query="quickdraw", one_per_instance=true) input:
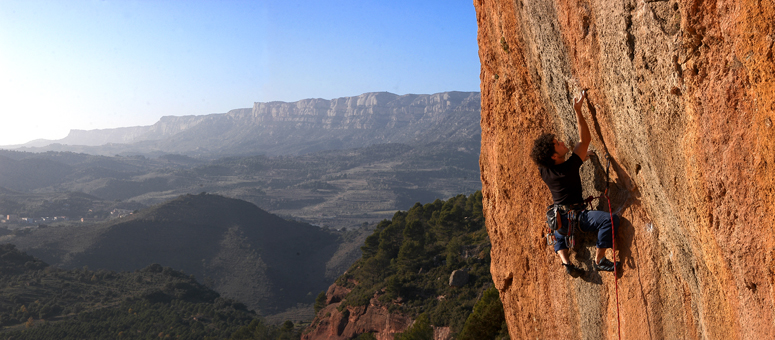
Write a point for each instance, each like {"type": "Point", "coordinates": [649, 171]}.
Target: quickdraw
{"type": "Point", "coordinates": [554, 221]}
{"type": "Point", "coordinates": [573, 222]}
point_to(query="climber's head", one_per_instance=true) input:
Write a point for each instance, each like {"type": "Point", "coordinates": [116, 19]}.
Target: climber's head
{"type": "Point", "coordinates": [560, 150]}
{"type": "Point", "coordinates": [543, 150]}
{"type": "Point", "coordinates": [548, 151]}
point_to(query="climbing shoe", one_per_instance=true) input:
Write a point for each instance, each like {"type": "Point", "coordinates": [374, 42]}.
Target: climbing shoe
{"type": "Point", "coordinates": [605, 265]}
{"type": "Point", "coordinates": [572, 270]}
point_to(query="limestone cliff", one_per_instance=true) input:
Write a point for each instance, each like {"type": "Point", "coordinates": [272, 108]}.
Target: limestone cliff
{"type": "Point", "coordinates": [278, 128]}
{"type": "Point", "coordinates": [682, 97]}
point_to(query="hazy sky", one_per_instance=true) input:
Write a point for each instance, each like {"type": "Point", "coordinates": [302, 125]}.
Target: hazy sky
{"type": "Point", "coordinates": [100, 64]}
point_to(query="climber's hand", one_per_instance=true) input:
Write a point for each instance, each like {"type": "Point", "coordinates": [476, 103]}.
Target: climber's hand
{"type": "Point", "coordinates": [577, 101]}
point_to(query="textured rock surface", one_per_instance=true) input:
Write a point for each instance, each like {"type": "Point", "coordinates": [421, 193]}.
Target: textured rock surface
{"type": "Point", "coordinates": [352, 321]}
{"type": "Point", "coordinates": [331, 324]}
{"type": "Point", "coordinates": [682, 96]}
{"type": "Point", "coordinates": [458, 278]}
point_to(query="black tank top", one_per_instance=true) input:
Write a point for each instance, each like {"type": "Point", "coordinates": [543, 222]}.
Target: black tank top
{"type": "Point", "coordinates": [564, 181]}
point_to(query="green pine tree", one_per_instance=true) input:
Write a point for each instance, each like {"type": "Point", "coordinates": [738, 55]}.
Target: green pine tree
{"type": "Point", "coordinates": [420, 330]}
{"type": "Point", "coordinates": [487, 320]}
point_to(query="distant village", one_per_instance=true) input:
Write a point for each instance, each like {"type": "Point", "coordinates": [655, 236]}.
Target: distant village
{"type": "Point", "coordinates": [10, 221]}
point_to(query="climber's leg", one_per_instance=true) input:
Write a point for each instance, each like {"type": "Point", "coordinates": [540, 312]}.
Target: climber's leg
{"type": "Point", "coordinates": [560, 244]}
{"type": "Point", "coordinates": [600, 254]}
{"type": "Point", "coordinates": [600, 222]}
{"type": "Point", "coordinates": [561, 248]}
{"type": "Point", "coordinates": [564, 255]}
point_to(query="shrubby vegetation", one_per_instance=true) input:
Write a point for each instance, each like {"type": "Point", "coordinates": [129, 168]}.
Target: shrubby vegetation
{"type": "Point", "coordinates": [487, 321]}
{"type": "Point", "coordinates": [41, 302]}
{"type": "Point", "coordinates": [420, 330]}
{"type": "Point", "coordinates": [259, 330]}
{"type": "Point", "coordinates": [407, 262]}
{"type": "Point", "coordinates": [218, 239]}
{"type": "Point", "coordinates": [141, 318]}
{"type": "Point", "coordinates": [406, 266]}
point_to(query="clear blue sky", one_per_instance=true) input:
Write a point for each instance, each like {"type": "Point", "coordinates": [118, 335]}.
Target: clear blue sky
{"type": "Point", "coordinates": [101, 64]}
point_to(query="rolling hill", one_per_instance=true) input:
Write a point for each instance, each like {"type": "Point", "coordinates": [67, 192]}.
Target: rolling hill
{"type": "Point", "coordinates": [234, 247]}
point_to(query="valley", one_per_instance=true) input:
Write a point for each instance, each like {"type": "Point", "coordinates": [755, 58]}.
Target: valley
{"type": "Point", "coordinates": [335, 189]}
{"type": "Point", "coordinates": [267, 206]}
{"type": "Point", "coordinates": [253, 264]}
{"type": "Point", "coordinates": [335, 163]}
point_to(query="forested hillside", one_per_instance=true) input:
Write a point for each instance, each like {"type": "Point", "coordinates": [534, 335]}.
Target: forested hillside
{"type": "Point", "coordinates": [423, 274]}
{"type": "Point", "coordinates": [42, 302]}
{"type": "Point", "coordinates": [239, 250]}
{"type": "Point", "coordinates": [428, 266]}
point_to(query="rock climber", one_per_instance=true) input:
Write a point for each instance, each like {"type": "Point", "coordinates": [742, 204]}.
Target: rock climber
{"type": "Point", "coordinates": [564, 181]}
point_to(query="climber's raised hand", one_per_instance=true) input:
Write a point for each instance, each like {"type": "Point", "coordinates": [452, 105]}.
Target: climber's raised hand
{"type": "Point", "coordinates": [577, 101]}
{"type": "Point", "coordinates": [583, 145]}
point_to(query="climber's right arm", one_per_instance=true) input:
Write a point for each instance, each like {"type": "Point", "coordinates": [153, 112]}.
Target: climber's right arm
{"type": "Point", "coordinates": [586, 138]}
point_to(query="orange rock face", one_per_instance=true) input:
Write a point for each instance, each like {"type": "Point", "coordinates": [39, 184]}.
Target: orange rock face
{"type": "Point", "coordinates": [681, 95]}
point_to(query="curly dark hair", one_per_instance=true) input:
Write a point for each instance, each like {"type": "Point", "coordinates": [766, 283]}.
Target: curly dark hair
{"type": "Point", "coordinates": [543, 150]}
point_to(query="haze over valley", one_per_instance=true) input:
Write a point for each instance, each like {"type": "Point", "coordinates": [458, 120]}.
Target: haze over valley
{"type": "Point", "coordinates": [214, 170]}
{"type": "Point", "coordinates": [335, 163]}
{"type": "Point", "coordinates": [202, 194]}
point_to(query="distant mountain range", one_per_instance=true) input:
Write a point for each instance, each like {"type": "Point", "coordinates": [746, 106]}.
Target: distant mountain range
{"type": "Point", "coordinates": [281, 128]}
{"type": "Point", "coordinates": [346, 162]}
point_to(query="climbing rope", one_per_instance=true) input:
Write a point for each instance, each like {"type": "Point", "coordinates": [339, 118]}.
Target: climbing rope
{"type": "Point", "coordinates": [616, 274]}
{"type": "Point", "coordinates": [613, 238]}
{"type": "Point", "coordinates": [613, 241]}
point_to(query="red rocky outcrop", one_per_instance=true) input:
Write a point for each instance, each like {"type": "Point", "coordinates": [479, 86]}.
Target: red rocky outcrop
{"type": "Point", "coordinates": [331, 324]}
{"type": "Point", "coordinates": [682, 96]}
